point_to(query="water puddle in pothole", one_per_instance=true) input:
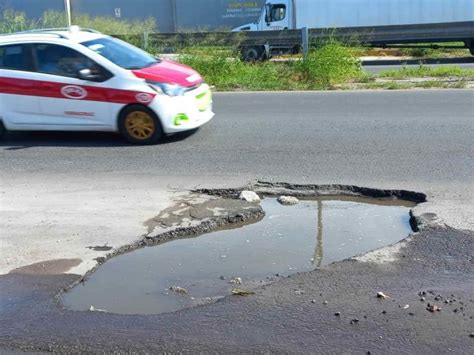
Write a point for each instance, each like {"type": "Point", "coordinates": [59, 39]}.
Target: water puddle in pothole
{"type": "Point", "coordinates": [288, 240]}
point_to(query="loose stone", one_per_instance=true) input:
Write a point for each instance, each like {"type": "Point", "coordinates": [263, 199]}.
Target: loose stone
{"type": "Point", "coordinates": [249, 196]}
{"type": "Point", "coordinates": [288, 200]}
{"type": "Point", "coordinates": [433, 308]}
{"type": "Point", "coordinates": [236, 281]}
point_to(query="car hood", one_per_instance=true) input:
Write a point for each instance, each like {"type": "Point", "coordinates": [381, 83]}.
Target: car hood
{"type": "Point", "coordinates": [169, 72]}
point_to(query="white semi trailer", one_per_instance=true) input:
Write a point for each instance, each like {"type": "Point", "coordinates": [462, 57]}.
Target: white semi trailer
{"type": "Point", "coordinates": [298, 14]}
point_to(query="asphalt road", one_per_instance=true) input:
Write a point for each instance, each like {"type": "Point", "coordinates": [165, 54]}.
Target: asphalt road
{"type": "Point", "coordinates": [345, 137]}
{"type": "Point", "coordinates": [415, 140]}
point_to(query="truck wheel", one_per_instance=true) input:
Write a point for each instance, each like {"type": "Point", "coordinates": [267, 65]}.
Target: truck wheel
{"type": "Point", "coordinates": [139, 125]}
{"type": "Point", "coordinates": [253, 54]}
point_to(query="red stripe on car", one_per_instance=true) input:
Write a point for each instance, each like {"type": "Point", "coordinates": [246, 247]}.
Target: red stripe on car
{"type": "Point", "coordinates": [51, 89]}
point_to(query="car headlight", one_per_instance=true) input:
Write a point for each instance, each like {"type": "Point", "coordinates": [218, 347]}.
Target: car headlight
{"type": "Point", "coordinates": [167, 89]}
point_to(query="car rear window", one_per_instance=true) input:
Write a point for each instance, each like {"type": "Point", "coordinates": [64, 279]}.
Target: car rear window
{"type": "Point", "coordinates": [16, 57]}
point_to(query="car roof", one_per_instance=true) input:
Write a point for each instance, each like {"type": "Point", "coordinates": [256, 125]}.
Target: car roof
{"type": "Point", "coordinates": [71, 34]}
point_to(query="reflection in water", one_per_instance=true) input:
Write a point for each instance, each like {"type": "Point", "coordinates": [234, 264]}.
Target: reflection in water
{"type": "Point", "coordinates": [288, 240]}
{"type": "Point", "coordinates": [318, 253]}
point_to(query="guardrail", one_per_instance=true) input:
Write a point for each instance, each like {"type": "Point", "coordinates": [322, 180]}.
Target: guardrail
{"type": "Point", "coordinates": [373, 35]}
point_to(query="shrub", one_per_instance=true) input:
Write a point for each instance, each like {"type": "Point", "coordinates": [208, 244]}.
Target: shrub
{"type": "Point", "coordinates": [224, 69]}
{"type": "Point", "coordinates": [13, 21]}
{"type": "Point", "coordinates": [330, 64]}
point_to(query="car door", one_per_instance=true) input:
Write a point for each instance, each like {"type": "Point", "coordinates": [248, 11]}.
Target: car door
{"type": "Point", "coordinates": [19, 101]}
{"type": "Point", "coordinates": [68, 101]}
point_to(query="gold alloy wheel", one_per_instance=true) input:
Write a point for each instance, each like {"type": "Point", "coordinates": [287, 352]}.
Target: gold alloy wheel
{"type": "Point", "coordinates": [140, 125]}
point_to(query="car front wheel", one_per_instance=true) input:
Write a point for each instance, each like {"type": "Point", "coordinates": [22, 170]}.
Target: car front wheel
{"type": "Point", "coordinates": [139, 125]}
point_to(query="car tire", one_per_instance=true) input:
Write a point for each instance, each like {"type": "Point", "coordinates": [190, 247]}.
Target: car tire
{"type": "Point", "coordinates": [140, 125]}
{"type": "Point", "coordinates": [2, 129]}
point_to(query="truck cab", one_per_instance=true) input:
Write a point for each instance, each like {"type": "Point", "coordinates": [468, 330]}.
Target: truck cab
{"type": "Point", "coordinates": [276, 15]}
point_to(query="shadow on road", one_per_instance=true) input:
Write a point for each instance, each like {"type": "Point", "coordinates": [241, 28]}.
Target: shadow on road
{"type": "Point", "coordinates": [24, 140]}
{"type": "Point", "coordinates": [464, 60]}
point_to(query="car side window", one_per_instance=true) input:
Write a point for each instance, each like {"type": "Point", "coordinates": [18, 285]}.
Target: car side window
{"type": "Point", "coordinates": [16, 57]}
{"type": "Point", "coordinates": [63, 61]}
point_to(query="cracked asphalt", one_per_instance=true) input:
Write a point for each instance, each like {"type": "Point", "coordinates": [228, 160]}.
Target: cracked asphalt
{"type": "Point", "coordinates": [62, 193]}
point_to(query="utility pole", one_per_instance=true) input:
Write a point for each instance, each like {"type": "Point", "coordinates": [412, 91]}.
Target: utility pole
{"type": "Point", "coordinates": [67, 7]}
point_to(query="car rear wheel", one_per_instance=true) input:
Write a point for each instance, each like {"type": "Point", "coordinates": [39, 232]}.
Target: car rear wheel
{"type": "Point", "coordinates": [140, 125]}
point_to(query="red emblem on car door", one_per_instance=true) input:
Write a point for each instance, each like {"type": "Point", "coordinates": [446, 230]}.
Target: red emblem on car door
{"type": "Point", "coordinates": [74, 92]}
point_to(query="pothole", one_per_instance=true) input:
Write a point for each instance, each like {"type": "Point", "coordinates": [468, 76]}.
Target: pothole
{"type": "Point", "coordinates": [188, 272]}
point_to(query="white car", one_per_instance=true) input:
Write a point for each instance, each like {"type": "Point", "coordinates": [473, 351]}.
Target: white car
{"type": "Point", "coordinates": [80, 80]}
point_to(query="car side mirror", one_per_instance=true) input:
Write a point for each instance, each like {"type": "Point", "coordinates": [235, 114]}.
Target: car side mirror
{"type": "Point", "coordinates": [86, 74]}
{"type": "Point", "coordinates": [268, 12]}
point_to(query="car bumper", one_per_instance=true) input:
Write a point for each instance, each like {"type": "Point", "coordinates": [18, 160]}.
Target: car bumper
{"type": "Point", "coordinates": [187, 112]}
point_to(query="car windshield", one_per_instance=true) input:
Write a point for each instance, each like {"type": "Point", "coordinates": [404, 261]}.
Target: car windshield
{"type": "Point", "coordinates": [121, 53]}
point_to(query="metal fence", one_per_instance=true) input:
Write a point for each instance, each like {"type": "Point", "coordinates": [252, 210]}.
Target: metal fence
{"type": "Point", "coordinates": [376, 36]}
